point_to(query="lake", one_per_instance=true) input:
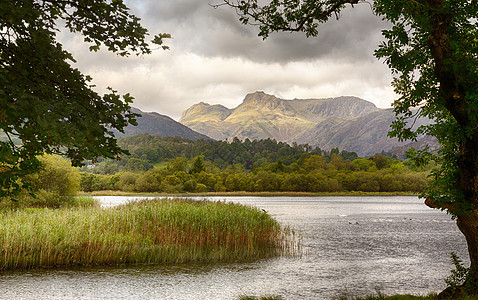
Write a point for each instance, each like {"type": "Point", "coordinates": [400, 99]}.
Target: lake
{"type": "Point", "coordinates": [358, 244]}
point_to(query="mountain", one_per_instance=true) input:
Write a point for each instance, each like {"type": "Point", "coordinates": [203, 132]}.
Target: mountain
{"type": "Point", "coordinates": [263, 116]}
{"type": "Point", "coordinates": [349, 123]}
{"type": "Point", "coordinates": [154, 123]}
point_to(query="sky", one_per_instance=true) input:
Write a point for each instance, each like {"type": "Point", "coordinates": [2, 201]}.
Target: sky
{"type": "Point", "coordinates": [215, 59]}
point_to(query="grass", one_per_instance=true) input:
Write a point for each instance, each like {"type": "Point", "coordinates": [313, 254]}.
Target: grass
{"type": "Point", "coordinates": [46, 199]}
{"type": "Point", "coordinates": [383, 297]}
{"type": "Point", "coordinates": [144, 232]}
{"type": "Point", "coordinates": [346, 296]}
{"type": "Point", "coordinates": [380, 296]}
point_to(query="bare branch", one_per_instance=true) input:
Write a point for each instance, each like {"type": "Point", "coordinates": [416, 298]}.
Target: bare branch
{"type": "Point", "coordinates": [416, 116]}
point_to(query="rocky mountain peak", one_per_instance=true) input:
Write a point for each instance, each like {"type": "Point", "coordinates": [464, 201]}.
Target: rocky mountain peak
{"type": "Point", "coordinates": [262, 103]}
{"type": "Point", "coordinates": [260, 98]}
{"type": "Point", "coordinates": [256, 96]}
{"type": "Point", "coordinates": [205, 112]}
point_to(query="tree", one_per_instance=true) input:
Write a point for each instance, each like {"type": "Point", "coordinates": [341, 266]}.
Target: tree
{"type": "Point", "coordinates": [137, 165]}
{"type": "Point", "coordinates": [314, 162]}
{"type": "Point", "coordinates": [177, 164]}
{"type": "Point", "coordinates": [432, 51]}
{"type": "Point", "coordinates": [57, 175]}
{"type": "Point", "coordinates": [47, 106]}
{"type": "Point", "coordinates": [198, 165]}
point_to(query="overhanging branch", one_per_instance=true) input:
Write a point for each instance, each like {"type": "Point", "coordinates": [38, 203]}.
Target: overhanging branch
{"type": "Point", "coordinates": [321, 12]}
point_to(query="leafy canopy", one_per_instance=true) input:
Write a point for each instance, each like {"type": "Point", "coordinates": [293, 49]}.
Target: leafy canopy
{"type": "Point", "coordinates": [46, 105]}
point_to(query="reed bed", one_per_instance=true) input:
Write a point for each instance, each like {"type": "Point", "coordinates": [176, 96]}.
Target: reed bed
{"type": "Point", "coordinates": [144, 232]}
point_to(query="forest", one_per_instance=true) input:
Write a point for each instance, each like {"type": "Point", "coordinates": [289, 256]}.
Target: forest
{"type": "Point", "coordinates": [176, 165]}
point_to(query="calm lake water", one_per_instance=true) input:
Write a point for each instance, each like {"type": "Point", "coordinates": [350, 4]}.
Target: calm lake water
{"type": "Point", "coordinates": [358, 244]}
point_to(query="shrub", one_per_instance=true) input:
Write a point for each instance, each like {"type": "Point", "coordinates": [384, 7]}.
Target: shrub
{"type": "Point", "coordinates": [459, 282]}
{"type": "Point", "coordinates": [126, 182]}
{"type": "Point", "coordinates": [190, 185]}
{"type": "Point", "coordinates": [93, 182]}
{"type": "Point", "coordinates": [57, 176]}
{"type": "Point", "coordinates": [201, 188]}
{"type": "Point", "coordinates": [147, 182]}
{"type": "Point", "coordinates": [54, 186]}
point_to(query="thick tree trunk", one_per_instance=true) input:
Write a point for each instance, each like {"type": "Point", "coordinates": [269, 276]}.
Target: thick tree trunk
{"type": "Point", "coordinates": [467, 221]}
{"type": "Point", "coordinates": [468, 225]}
{"type": "Point", "coordinates": [466, 211]}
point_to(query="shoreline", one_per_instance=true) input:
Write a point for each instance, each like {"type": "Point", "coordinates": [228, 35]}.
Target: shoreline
{"type": "Point", "coordinates": [246, 194]}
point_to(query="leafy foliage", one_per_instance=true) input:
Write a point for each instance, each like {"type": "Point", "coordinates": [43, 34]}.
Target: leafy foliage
{"type": "Point", "coordinates": [437, 76]}
{"type": "Point", "coordinates": [458, 275]}
{"type": "Point", "coordinates": [285, 15]}
{"type": "Point", "coordinates": [255, 166]}
{"type": "Point", "coordinates": [55, 185]}
{"type": "Point", "coordinates": [44, 102]}
{"type": "Point", "coordinates": [148, 150]}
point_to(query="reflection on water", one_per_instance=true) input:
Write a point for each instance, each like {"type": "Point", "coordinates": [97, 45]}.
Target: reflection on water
{"type": "Point", "coordinates": [356, 243]}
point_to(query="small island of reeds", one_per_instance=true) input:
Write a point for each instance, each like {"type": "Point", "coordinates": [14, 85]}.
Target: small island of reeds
{"type": "Point", "coordinates": [145, 232]}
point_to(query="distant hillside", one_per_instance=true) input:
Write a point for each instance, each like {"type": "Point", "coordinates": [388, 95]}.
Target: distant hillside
{"type": "Point", "coordinates": [157, 124]}
{"type": "Point", "coordinates": [349, 123]}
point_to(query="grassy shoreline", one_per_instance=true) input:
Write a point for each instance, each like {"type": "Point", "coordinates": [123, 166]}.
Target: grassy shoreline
{"type": "Point", "coordinates": [144, 232]}
{"type": "Point", "coordinates": [247, 194]}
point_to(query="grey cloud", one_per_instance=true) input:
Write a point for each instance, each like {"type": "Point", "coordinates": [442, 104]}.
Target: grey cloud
{"type": "Point", "coordinates": [353, 37]}
{"type": "Point", "coordinates": [175, 10]}
{"type": "Point", "coordinates": [198, 27]}
{"type": "Point", "coordinates": [216, 59]}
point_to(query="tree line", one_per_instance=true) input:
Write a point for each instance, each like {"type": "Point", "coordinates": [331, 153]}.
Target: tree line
{"type": "Point", "coordinates": [174, 165]}
{"type": "Point", "coordinates": [147, 150]}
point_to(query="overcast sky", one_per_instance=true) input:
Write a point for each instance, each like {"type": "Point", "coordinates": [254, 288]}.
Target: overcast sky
{"type": "Point", "coordinates": [215, 59]}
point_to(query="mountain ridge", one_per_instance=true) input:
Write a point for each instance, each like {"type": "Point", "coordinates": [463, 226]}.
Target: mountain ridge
{"type": "Point", "coordinates": [347, 122]}
{"type": "Point", "coordinates": [158, 124]}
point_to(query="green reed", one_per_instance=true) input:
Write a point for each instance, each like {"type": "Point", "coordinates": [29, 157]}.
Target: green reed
{"type": "Point", "coordinates": [146, 232]}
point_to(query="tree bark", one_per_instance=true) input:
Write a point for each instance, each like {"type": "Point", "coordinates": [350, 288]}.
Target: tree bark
{"type": "Point", "coordinates": [468, 225]}
{"type": "Point", "coordinates": [467, 221]}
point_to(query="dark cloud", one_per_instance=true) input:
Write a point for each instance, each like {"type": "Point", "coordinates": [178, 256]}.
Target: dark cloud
{"type": "Point", "coordinates": [354, 36]}
{"type": "Point", "coordinates": [199, 28]}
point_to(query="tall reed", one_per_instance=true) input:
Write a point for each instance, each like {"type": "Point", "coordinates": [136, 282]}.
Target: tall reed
{"type": "Point", "coordinates": [149, 231]}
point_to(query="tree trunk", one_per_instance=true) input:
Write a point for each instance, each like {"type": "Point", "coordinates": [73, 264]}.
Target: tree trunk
{"type": "Point", "coordinates": [467, 220]}
{"type": "Point", "coordinates": [468, 225]}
